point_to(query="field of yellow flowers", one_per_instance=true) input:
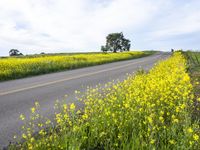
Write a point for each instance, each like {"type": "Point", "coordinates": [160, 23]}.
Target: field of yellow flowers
{"type": "Point", "coordinates": [18, 67]}
{"type": "Point", "coordinates": [146, 111]}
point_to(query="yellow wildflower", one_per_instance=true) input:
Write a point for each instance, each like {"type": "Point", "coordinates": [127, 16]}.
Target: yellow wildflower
{"type": "Point", "coordinates": [189, 130]}
{"type": "Point", "coordinates": [172, 142]}
{"type": "Point", "coordinates": [152, 141]}
{"type": "Point", "coordinates": [24, 136]}
{"type": "Point", "coordinates": [33, 109]}
{"type": "Point", "coordinates": [72, 106]}
{"type": "Point", "coordinates": [195, 137]}
{"type": "Point", "coordinates": [22, 117]}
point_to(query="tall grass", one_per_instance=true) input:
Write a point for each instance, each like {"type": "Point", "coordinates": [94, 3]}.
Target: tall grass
{"type": "Point", "coordinates": [146, 111]}
{"type": "Point", "coordinates": [193, 59]}
{"type": "Point", "coordinates": [18, 67]}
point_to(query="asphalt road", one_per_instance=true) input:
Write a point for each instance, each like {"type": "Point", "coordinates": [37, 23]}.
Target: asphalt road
{"type": "Point", "coordinates": [18, 96]}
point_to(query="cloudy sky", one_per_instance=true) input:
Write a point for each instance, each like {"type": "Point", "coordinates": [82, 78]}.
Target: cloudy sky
{"type": "Point", "coordinates": [35, 26]}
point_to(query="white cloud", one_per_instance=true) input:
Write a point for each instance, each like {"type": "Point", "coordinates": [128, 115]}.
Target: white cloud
{"type": "Point", "coordinates": [81, 25]}
{"type": "Point", "coordinates": [179, 20]}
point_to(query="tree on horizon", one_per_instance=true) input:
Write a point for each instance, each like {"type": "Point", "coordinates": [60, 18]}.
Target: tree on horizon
{"type": "Point", "coordinates": [116, 42]}
{"type": "Point", "coordinates": [14, 52]}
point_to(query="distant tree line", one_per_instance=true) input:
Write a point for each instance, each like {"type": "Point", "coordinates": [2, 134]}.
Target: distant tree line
{"type": "Point", "coordinates": [116, 42]}
{"type": "Point", "coordinates": [15, 52]}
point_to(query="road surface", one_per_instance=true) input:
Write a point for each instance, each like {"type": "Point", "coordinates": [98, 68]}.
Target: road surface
{"type": "Point", "coordinates": [18, 96]}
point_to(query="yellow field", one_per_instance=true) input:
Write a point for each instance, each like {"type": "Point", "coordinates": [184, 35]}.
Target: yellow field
{"type": "Point", "coordinates": [18, 67]}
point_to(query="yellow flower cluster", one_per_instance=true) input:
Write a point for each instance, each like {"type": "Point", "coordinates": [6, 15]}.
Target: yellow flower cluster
{"type": "Point", "coordinates": [146, 111]}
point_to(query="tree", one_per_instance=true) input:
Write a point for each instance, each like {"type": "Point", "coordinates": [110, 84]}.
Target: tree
{"type": "Point", "coordinates": [116, 42]}
{"type": "Point", "coordinates": [126, 45]}
{"type": "Point", "coordinates": [104, 49]}
{"type": "Point", "coordinates": [14, 52]}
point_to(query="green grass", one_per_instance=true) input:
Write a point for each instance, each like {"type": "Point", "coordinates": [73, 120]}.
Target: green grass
{"type": "Point", "coordinates": [24, 66]}
{"type": "Point", "coordinates": [193, 59]}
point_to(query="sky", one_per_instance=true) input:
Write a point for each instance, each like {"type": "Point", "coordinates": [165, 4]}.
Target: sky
{"type": "Point", "coordinates": [54, 26]}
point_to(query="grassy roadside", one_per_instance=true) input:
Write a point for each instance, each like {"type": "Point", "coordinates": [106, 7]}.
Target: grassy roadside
{"type": "Point", "coordinates": [146, 111]}
{"type": "Point", "coordinates": [193, 59]}
{"type": "Point", "coordinates": [19, 67]}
